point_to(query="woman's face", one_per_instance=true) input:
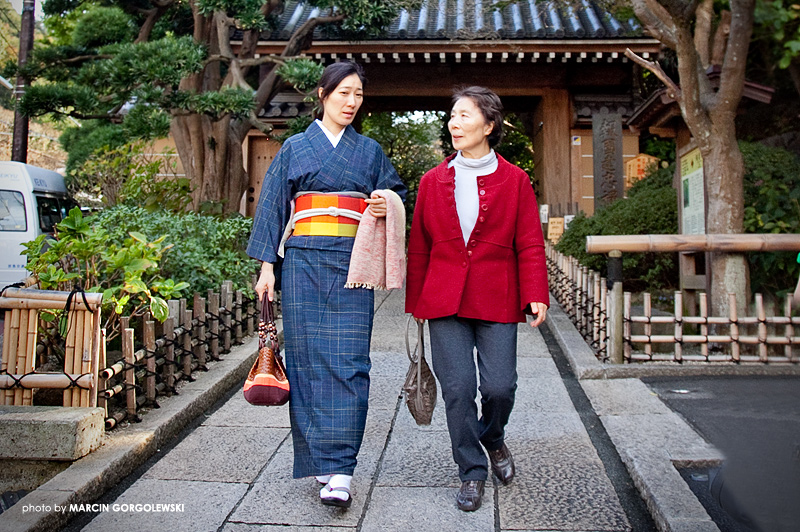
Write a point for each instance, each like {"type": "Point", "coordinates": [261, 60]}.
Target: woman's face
{"type": "Point", "coordinates": [342, 104]}
{"type": "Point", "coordinates": [469, 129]}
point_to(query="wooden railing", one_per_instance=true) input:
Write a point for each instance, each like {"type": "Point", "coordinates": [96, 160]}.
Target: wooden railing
{"type": "Point", "coordinates": [604, 316]}
{"type": "Point", "coordinates": [164, 355]}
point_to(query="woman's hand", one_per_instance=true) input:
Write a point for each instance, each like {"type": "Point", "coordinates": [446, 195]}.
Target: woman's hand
{"type": "Point", "coordinates": [377, 205]}
{"type": "Point", "coordinates": [419, 320]}
{"type": "Point", "coordinates": [539, 311]}
{"type": "Point", "coordinates": [266, 282]}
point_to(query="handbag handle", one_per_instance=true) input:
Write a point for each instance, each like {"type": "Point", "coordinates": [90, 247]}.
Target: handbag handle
{"type": "Point", "coordinates": [419, 358]}
{"type": "Point", "coordinates": [268, 319]}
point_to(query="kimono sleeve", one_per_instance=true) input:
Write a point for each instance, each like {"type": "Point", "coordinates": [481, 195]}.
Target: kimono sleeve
{"type": "Point", "coordinates": [272, 213]}
{"type": "Point", "coordinates": [529, 245]}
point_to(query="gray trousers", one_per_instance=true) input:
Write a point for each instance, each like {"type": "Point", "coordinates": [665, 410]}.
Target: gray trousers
{"type": "Point", "coordinates": [453, 341]}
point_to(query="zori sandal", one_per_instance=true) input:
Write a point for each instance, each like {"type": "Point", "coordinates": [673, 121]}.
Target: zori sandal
{"type": "Point", "coordinates": [336, 501]}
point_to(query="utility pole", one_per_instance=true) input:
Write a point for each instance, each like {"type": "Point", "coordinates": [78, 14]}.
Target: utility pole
{"type": "Point", "coordinates": [19, 149]}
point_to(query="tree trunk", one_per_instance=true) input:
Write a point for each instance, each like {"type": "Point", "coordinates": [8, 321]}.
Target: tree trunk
{"type": "Point", "coordinates": [724, 174]}
{"type": "Point", "coordinates": [211, 153]}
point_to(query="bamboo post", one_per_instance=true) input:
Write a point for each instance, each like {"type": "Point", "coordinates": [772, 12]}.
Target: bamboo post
{"type": "Point", "coordinates": [130, 372]}
{"type": "Point", "coordinates": [615, 308]}
{"type": "Point", "coordinates": [789, 330]}
{"type": "Point", "coordinates": [596, 299]}
{"type": "Point", "coordinates": [627, 327]}
{"type": "Point", "coordinates": [648, 327]}
{"type": "Point", "coordinates": [678, 326]}
{"type": "Point", "coordinates": [29, 354]}
{"type": "Point", "coordinates": [603, 316]}
{"type": "Point", "coordinates": [101, 381]}
{"type": "Point", "coordinates": [169, 354]}
{"type": "Point", "coordinates": [7, 348]}
{"type": "Point", "coordinates": [226, 298]}
{"type": "Point", "coordinates": [186, 357]}
{"type": "Point", "coordinates": [734, 332]}
{"type": "Point", "coordinates": [238, 317]}
{"type": "Point", "coordinates": [69, 353]}
{"type": "Point", "coordinates": [98, 337]}
{"type": "Point", "coordinates": [704, 324]}
{"type": "Point", "coordinates": [200, 331]}
{"type": "Point", "coordinates": [762, 328]}
{"type": "Point", "coordinates": [86, 356]}
{"type": "Point", "coordinates": [251, 313]}
{"type": "Point", "coordinates": [78, 323]}
{"type": "Point", "coordinates": [213, 324]}
{"type": "Point", "coordinates": [150, 362]}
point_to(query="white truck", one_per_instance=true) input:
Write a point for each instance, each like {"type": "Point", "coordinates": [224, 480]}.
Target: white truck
{"type": "Point", "coordinates": [32, 201]}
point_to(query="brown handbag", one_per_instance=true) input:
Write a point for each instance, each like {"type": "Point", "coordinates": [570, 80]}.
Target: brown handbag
{"type": "Point", "coordinates": [267, 385]}
{"type": "Point", "coordinates": [420, 385]}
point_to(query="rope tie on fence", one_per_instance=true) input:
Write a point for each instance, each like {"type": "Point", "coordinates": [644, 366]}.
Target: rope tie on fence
{"type": "Point", "coordinates": [73, 383]}
{"type": "Point", "coordinates": [12, 285]}
{"type": "Point", "coordinates": [17, 381]}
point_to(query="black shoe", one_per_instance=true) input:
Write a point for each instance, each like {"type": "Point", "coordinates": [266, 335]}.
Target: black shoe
{"type": "Point", "coordinates": [470, 495]}
{"type": "Point", "coordinates": [502, 464]}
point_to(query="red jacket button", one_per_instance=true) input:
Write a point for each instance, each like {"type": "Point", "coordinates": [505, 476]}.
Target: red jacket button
{"type": "Point", "coordinates": [484, 207]}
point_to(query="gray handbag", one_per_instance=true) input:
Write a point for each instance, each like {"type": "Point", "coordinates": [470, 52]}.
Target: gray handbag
{"type": "Point", "coordinates": [420, 385]}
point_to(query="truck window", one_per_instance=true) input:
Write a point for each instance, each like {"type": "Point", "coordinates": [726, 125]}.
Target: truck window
{"type": "Point", "coordinates": [51, 211]}
{"type": "Point", "coordinates": [12, 211]}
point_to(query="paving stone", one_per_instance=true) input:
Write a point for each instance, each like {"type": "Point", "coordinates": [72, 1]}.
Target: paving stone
{"type": "Point", "coordinates": [659, 436]}
{"type": "Point", "coordinates": [536, 367]}
{"type": "Point", "coordinates": [227, 454]}
{"type": "Point", "coordinates": [243, 527]}
{"type": "Point", "coordinates": [384, 393]}
{"type": "Point", "coordinates": [544, 394]}
{"type": "Point", "coordinates": [393, 364]}
{"type": "Point", "coordinates": [425, 509]}
{"type": "Point", "coordinates": [419, 459]}
{"type": "Point", "coordinates": [205, 506]}
{"type": "Point", "coordinates": [530, 342]}
{"type": "Point", "coordinates": [561, 485]}
{"type": "Point", "coordinates": [280, 500]}
{"type": "Point", "coordinates": [237, 412]}
{"type": "Point", "coordinates": [623, 396]}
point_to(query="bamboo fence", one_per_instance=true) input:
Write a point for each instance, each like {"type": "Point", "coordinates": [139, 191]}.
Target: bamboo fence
{"type": "Point", "coordinates": [166, 354]}
{"type": "Point", "coordinates": [671, 337]}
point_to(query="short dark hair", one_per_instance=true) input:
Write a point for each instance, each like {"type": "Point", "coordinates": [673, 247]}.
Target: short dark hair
{"type": "Point", "coordinates": [335, 73]}
{"type": "Point", "coordinates": [490, 107]}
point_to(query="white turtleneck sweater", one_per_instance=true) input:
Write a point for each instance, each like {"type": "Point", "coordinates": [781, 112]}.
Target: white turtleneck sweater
{"type": "Point", "coordinates": [467, 173]}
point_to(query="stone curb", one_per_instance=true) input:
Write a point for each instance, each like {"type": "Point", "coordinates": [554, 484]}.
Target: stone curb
{"type": "Point", "coordinates": [125, 449]}
{"type": "Point", "coordinates": [652, 440]}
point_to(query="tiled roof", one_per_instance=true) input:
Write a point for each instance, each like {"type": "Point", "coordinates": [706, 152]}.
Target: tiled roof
{"type": "Point", "coordinates": [478, 19]}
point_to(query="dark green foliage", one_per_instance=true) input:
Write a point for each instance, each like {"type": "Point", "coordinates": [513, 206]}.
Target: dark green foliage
{"type": "Point", "coordinates": [410, 142]}
{"type": "Point", "coordinates": [81, 142]}
{"type": "Point", "coordinates": [772, 198]}
{"type": "Point", "coordinates": [117, 27]}
{"type": "Point", "coordinates": [517, 147]}
{"type": "Point", "coordinates": [205, 250]}
{"type": "Point", "coordinates": [651, 208]}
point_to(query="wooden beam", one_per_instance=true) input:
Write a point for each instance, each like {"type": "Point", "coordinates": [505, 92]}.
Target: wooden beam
{"type": "Point", "coordinates": [721, 243]}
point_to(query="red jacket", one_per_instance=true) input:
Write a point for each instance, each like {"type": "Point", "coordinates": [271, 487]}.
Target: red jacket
{"type": "Point", "coordinates": [502, 268]}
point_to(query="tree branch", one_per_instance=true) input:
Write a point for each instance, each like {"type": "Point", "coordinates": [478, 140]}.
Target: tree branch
{"type": "Point", "coordinates": [731, 83]}
{"type": "Point", "coordinates": [702, 31]}
{"type": "Point", "coordinates": [673, 90]}
{"type": "Point", "coordinates": [657, 21]}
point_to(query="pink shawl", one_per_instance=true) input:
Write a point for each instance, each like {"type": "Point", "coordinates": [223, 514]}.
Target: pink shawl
{"type": "Point", "coordinates": [379, 251]}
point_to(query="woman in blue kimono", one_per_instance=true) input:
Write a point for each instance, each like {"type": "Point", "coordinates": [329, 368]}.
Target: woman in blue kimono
{"type": "Point", "coordinates": [318, 185]}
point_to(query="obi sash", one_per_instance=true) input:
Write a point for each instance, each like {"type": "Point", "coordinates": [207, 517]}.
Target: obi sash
{"type": "Point", "coordinates": [328, 214]}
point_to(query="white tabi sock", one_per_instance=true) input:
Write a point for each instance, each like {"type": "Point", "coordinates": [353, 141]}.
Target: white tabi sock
{"type": "Point", "coordinates": [323, 479]}
{"type": "Point", "coordinates": [337, 481]}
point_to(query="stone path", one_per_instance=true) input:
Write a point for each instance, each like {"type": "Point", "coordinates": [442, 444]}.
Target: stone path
{"type": "Point", "coordinates": [232, 473]}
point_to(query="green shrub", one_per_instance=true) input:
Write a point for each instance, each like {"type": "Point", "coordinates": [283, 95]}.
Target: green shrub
{"type": "Point", "coordinates": [772, 205]}
{"type": "Point", "coordinates": [205, 250]}
{"type": "Point", "coordinates": [651, 208]}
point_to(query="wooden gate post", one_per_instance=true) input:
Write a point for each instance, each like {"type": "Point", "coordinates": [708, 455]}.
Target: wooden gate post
{"type": "Point", "coordinates": [615, 307]}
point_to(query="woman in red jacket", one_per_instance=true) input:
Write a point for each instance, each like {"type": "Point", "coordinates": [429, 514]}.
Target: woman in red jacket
{"type": "Point", "coordinates": [476, 266]}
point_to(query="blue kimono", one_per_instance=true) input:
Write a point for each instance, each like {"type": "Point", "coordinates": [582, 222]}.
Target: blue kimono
{"type": "Point", "coordinates": [327, 327]}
